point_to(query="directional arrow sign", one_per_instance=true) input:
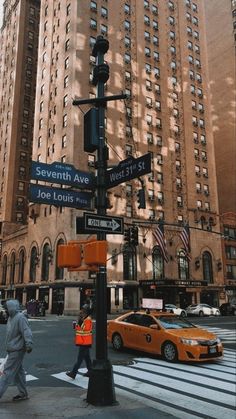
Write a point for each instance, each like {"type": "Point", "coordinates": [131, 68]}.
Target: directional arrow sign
{"type": "Point", "coordinates": [59, 197]}
{"type": "Point", "coordinates": [128, 169]}
{"type": "Point", "coordinates": [112, 225]}
{"type": "Point", "coordinates": [64, 174]}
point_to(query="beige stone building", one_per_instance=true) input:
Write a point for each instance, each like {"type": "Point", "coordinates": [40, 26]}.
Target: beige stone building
{"type": "Point", "coordinates": [221, 57]}
{"type": "Point", "coordinates": [158, 57]}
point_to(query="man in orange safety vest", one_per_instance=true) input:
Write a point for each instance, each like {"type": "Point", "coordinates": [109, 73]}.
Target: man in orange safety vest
{"type": "Point", "coordinates": [83, 339]}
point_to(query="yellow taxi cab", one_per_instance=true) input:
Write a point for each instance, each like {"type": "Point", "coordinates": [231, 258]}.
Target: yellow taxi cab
{"type": "Point", "coordinates": [166, 334]}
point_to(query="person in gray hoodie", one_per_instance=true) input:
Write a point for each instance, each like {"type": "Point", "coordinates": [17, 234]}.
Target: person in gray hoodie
{"type": "Point", "coordinates": [19, 340]}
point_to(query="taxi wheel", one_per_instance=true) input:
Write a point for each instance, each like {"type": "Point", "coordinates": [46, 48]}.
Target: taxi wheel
{"type": "Point", "coordinates": [201, 314]}
{"type": "Point", "coordinates": [183, 314]}
{"type": "Point", "coordinates": [169, 351]}
{"type": "Point", "coordinates": [117, 342]}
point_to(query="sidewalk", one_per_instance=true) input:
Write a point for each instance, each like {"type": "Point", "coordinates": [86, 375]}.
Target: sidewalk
{"type": "Point", "coordinates": [64, 402]}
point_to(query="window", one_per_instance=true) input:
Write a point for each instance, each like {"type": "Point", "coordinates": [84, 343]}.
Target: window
{"type": "Point", "coordinates": [207, 267]}
{"type": "Point", "coordinates": [230, 252]}
{"type": "Point", "coordinates": [157, 263]}
{"type": "Point", "coordinates": [156, 55]}
{"type": "Point", "coordinates": [127, 58]}
{"type": "Point", "coordinates": [171, 20]}
{"type": "Point", "coordinates": [127, 8]}
{"type": "Point", "coordinates": [66, 63]}
{"type": "Point", "coordinates": [199, 204]}
{"type": "Point", "coordinates": [147, 36]}
{"type": "Point", "coordinates": [66, 81]}
{"type": "Point", "coordinates": [12, 268]}
{"type": "Point", "coordinates": [104, 12]}
{"type": "Point", "coordinates": [93, 5]}
{"type": "Point", "coordinates": [64, 123]}
{"type": "Point", "coordinates": [129, 211]}
{"type": "Point", "coordinates": [127, 25]}
{"type": "Point", "coordinates": [68, 27]}
{"type": "Point", "coordinates": [148, 85]}
{"type": "Point", "coordinates": [146, 20]}
{"type": "Point", "coordinates": [104, 29]}
{"type": "Point", "coordinates": [179, 201]}
{"type": "Point", "coordinates": [148, 68]}
{"type": "Point", "coordinates": [65, 101]}
{"type": "Point", "coordinates": [127, 41]}
{"type": "Point", "coordinates": [183, 265]}
{"type": "Point", "coordinates": [67, 45]}
{"type": "Point", "coordinates": [195, 20]}
{"type": "Point", "coordinates": [128, 150]}
{"type": "Point", "coordinates": [93, 24]}
{"type": "Point", "coordinates": [46, 258]}
{"type": "Point", "coordinates": [155, 40]}
{"type": "Point", "coordinates": [21, 266]}
{"type": "Point", "coordinates": [149, 119]}
{"type": "Point", "coordinates": [155, 25]}
{"type": "Point", "coordinates": [156, 72]}
{"type": "Point", "coordinates": [157, 88]}
{"type": "Point", "coordinates": [68, 10]}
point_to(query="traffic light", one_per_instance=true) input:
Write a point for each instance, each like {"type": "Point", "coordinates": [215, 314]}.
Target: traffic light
{"type": "Point", "coordinates": [91, 140]}
{"type": "Point", "coordinates": [141, 198]}
{"type": "Point", "coordinates": [127, 235]}
{"type": "Point", "coordinates": [134, 236]}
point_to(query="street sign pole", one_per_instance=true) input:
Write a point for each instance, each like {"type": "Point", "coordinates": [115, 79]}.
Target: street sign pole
{"type": "Point", "coordinates": [101, 385]}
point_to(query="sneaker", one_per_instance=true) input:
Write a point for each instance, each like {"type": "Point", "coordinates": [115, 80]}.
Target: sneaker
{"type": "Point", "coordinates": [87, 374]}
{"type": "Point", "coordinates": [20, 397]}
{"type": "Point", "coordinates": [70, 374]}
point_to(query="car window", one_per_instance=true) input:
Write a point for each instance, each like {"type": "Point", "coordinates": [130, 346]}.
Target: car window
{"type": "Point", "coordinates": [133, 318]}
{"type": "Point", "coordinates": [146, 321]}
{"type": "Point", "coordinates": [175, 323]}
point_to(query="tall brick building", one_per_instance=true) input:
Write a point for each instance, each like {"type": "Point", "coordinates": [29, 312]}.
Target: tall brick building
{"type": "Point", "coordinates": [221, 56]}
{"type": "Point", "coordinates": [158, 57]}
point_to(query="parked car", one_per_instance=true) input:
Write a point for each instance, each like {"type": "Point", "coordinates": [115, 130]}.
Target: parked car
{"type": "Point", "coordinates": [202, 310]}
{"type": "Point", "coordinates": [171, 308]}
{"type": "Point", "coordinates": [228, 309]}
{"type": "Point", "coordinates": [165, 334]}
{"type": "Point", "coordinates": [3, 314]}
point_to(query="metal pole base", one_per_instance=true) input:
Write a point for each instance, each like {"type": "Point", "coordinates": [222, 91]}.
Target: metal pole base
{"type": "Point", "coordinates": [101, 391]}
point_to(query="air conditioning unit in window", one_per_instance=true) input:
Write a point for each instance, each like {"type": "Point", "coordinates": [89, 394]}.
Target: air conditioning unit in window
{"type": "Point", "coordinates": [203, 142]}
{"type": "Point", "coordinates": [149, 88]}
{"type": "Point", "coordinates": [151, 198]}
{"type": "Point", "coordinates": [160, 201]}
{"type": "Point", "coordinates": [148, 71]}
{"type": "Point", "coordinates": [151, 178]}
{"type": "Point", "coordinates": [91, 163]}
{"type": "Point", "coordinates": [205, 175]}
{"type": "Point", "coordinates": [198, 174]}
{"type": "Point", "coordinates": [149, 105]}
{"type": "Point", "coordinates": [195, 123]}
{"type": "Point", "coordinates": [151, 217]}
{"type": "Point", "coordinates": [150, 141]}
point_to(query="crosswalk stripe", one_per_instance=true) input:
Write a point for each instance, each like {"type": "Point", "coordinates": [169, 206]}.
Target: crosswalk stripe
{"type": "Point", "coordinates": [186, 391]}
{"type": "Point", "coordinates": [30, 377]}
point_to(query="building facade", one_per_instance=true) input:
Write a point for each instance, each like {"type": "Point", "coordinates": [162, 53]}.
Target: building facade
{"type": "Point", "coordinates": [158, 57]}
{"type": "Point", "coordinates": [221, 58]}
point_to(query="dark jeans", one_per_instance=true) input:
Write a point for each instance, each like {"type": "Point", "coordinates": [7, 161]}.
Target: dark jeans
{"type": "Point", "coordinates": [83, 355]}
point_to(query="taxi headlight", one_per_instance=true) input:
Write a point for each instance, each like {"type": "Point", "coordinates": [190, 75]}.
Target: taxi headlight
{"type": "Point", "coordinates": [191, 342]}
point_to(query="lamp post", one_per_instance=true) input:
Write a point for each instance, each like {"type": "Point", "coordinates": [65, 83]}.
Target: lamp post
{"type": "Point", "coordinates": [101, 386]}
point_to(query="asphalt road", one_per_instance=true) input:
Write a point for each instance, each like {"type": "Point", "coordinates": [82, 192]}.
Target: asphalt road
{"type": "Point", "coordinates": [54, 348]}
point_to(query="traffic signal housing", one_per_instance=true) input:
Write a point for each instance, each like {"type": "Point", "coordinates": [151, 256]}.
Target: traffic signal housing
{"type": "Point", "coordinates": [134, 236]}
{"type": "Point", "coordinates": [127, 235]}
{"type": "Point", "coordinates": [141, 199]}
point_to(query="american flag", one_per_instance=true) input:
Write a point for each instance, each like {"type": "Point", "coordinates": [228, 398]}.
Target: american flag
{"type": "Point", "coordinates": [158, 235]}
{"type": "Point", "coordinates": [185, 237]}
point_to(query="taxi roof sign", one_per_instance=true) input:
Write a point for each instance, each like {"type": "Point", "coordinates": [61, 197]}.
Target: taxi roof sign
{"type": "Point", "coordinates": [154, 303]}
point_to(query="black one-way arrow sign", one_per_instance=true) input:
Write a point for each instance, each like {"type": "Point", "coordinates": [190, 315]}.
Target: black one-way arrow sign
{"type": "Point", "coordinates": [109, 225]}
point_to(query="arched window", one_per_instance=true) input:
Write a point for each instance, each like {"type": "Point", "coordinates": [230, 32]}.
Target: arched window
{"type": "Point", "coordinates": [45, 262]}
{"type": "Point", "coordinates": [21, 266]}
{"type": "Point", "coordinates": [183, 265]}
{"type": "Point", "coordinates": [4, 270]}
{"type": "Point", "coordinates": [59, 272]}
{"type": "Point", "coordinates": [129, 263]}
{"type": "Point", "coordinates": [33, 264]}
{"type": "Point", "coordinates": [12, 268]}
{"type": "Point", "coordinates": [207, 267]}
{"type": "Point", "coordinates": [157, 263]}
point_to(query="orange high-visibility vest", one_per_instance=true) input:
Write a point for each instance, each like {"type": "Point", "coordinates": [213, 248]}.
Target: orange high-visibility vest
{"type": "Point", "coordinates": [83, 333]}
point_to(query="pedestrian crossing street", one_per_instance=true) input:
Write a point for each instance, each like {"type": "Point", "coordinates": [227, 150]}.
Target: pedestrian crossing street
{"type": "Point", "coordinates": [187, 391]}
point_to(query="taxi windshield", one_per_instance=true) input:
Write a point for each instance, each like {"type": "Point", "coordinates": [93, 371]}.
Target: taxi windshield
{"type": "Point", "coordinates": [174, 323]}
